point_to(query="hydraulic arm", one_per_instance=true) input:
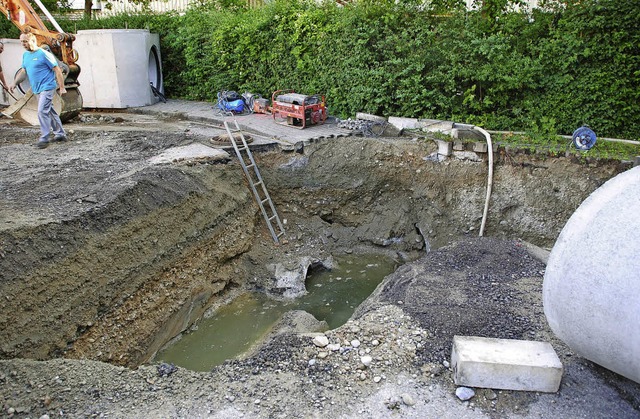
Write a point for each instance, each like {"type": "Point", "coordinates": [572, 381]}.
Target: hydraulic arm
{"type": "Point", "coordinates": [59, 43]}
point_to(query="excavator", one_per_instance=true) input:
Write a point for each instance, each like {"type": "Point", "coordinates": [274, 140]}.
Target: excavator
{"type": "Point", "coordinates": [58, 42]}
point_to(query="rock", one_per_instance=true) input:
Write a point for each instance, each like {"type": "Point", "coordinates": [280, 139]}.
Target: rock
{"type": "Point", "coordinates": [408, 400]}
{"type": "Point", "coordinates": [355, 343]}
{"type": "Point", "coordinates": [299, 321]}
{"type": "Point", "coordinates": [465, 393]}
{"type": "Point", "coordinates": [290, 278]}
{"type": "Point", "coordinates": [333, 347]}
{"type": "Point", "coordinates": [321, 341]}
{"type": "Point", "coordinates": [366, 360]}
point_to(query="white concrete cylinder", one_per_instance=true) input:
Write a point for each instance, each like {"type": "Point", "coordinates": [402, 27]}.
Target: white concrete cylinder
{"type": "Point", "coordinates": [117, 66]}
{"type": "Point", "coordinates": [591, 290]}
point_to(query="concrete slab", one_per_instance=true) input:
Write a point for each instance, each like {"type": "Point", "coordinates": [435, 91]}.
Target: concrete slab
{"type": "Point", "coordinates": [444, 147]}
{"type": "Point", "coordinates": [435, 125]}
{"type": "Point", "coordinates": [505, 364]}
{"type": "Point", "coordinates": [370, 117]}
{"type": "Point", "coordinates": [403, 123]}
{"type": "Point", "coordinates": [480, 147]}
{"type": "Point", "coordinates": [191, 152]}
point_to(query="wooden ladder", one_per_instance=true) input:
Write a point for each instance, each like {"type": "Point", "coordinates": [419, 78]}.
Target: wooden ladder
{"type": "Point", "coordinates": [256, 183]}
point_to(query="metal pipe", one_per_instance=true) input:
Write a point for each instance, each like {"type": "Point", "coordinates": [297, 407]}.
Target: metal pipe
{"type": "Point", "coordinates": [49, 16]}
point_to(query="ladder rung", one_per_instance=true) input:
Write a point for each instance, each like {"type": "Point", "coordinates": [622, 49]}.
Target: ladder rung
{"type": "Point", "coordinates": [244, 146]}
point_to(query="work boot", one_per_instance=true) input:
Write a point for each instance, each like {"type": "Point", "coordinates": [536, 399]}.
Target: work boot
{"type": "Point", "coordinates": [42, 144]}
{"type": "Point", "coordinates": [59, 138]}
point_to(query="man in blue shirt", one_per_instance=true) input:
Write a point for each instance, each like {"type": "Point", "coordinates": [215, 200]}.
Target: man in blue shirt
{"type": "Point", "coordinates": [45, 76]}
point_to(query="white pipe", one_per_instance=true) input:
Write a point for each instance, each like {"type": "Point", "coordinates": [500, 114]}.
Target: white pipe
{"type": "Point", "coordinates": [489, 178]}
{"type": "Point", "coordinates": [49, 16]}
{"type": "Point", "coordinates": [487, 136]}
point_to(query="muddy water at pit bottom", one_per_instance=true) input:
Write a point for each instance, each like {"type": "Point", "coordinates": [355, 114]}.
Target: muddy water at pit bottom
{"type": "Point", "coordinates": [332, 296]}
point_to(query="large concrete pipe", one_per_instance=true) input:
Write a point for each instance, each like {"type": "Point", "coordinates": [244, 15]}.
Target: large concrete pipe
{"type": "Point", "coordinates": [591, 290]}
{"type": "Point", "coordinates": [119, 67]}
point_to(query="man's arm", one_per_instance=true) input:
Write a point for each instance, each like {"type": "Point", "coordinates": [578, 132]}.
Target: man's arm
{"type": "Point", "coordinates": [60, 79]}
{"type": "Point", "coordinates": [20, 76]}
{"type": "Point", "coordinates": [4, 82]}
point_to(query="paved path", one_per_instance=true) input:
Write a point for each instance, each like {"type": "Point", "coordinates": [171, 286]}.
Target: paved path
{"type": "Point", "coordinates": [260, 124]}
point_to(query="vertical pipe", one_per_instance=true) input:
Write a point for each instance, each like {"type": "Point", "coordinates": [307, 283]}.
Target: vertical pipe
{"type": "Point", "coordinates": [489, 178]}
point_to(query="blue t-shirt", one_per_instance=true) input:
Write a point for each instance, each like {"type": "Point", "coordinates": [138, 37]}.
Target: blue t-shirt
{"type": "Point", "coordinates": [39, 67]}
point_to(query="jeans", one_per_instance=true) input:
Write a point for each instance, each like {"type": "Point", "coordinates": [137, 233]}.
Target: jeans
{"type": "Point", "coordinates": [48, 117]}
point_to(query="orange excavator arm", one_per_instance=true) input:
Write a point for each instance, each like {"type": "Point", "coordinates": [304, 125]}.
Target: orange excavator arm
{"type": "Point", "coordinates": [60, 44]}
{"type": "Point", "coordinates": [21, 14]}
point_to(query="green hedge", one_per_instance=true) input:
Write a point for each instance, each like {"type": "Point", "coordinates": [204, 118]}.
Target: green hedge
{"type": "Point", "coordinates": [544, 72]}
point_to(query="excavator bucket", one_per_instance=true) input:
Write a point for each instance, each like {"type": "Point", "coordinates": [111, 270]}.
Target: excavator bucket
{"type": "Point", "coordinates": [67, 106]}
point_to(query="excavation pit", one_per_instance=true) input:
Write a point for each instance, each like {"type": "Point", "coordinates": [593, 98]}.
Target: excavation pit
{"type": "Point", "coordinates": [107, 257]}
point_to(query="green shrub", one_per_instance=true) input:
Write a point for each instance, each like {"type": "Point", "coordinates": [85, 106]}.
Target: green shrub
{"type": "Point", "coordinates": [552, 70]}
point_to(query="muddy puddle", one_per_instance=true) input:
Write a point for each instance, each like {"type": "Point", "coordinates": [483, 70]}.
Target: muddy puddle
{"type": "Point", "coordinates": [234, 329]}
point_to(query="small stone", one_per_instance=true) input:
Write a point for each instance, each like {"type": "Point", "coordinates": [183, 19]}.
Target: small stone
{"type": "Point", "coordinates": [333, 347]}
{"type": "Point", "coordinates": [355, 343]}
{"type": "Point", "coordinates": [465, 393]}
{"type": "Point", "coordinates": [321, 341]}
{"type": "Point", "coordinates": [408, 400]}
{"type": "Point", "coordinates": [366, 360]}
{"type": "Point", "coordinates": [323, 355]}
{"type": "Point", "coordinates": [491, 395]}
{"type": "Point", "coordinates": [377, 379]}
{"type": "Point", "coordinates": [375, 342]}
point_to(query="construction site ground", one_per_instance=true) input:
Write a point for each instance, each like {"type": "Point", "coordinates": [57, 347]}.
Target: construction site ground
{"type": "Point", "coordinates": [117, 240]}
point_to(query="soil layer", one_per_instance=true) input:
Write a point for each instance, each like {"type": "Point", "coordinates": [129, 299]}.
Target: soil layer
{"type": "Point", "coordinates": [105, 256]}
